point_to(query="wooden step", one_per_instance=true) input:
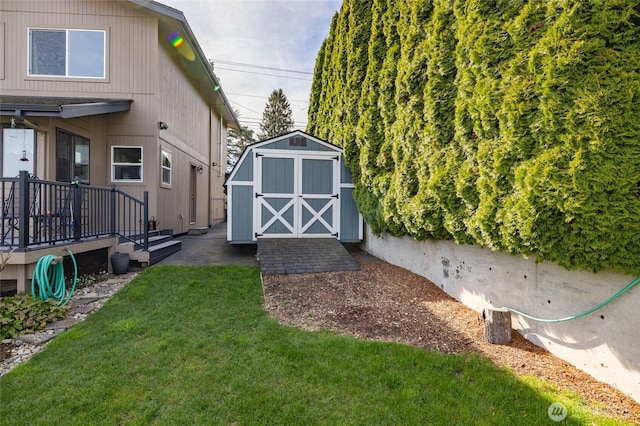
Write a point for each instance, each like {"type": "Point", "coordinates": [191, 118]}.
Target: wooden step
{"type": "Point", "coordinates": [156, 253]}
{"type": "Point", "coordinates": [198, 231]}
{"type": "Point", "coordinates": [163, 250]}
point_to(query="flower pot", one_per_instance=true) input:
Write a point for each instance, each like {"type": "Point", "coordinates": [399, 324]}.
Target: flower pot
{"type": "Point", "coordinates": [120, 263]}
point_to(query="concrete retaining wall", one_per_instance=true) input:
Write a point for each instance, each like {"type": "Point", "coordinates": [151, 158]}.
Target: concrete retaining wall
{"type": "Point", "coordinates": [605, 344]}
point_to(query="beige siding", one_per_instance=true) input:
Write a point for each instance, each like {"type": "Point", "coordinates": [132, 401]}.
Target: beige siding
{"type": "Point", "coordinates": [2, 49]}
{"type": "Point", "coordinates": [219, 156]}
{"type": "Point", "coordinates": [193, 139]}
{"type": "Point", "coordinates": [131, 45]}
{"type": "Point", "coordinates": [181, 106]}
{"type": "Point", "coordinates": [138, 68]}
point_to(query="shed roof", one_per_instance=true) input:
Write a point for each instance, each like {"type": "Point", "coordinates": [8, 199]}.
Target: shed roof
{"type": "Point", "coordinates": [262, 143]}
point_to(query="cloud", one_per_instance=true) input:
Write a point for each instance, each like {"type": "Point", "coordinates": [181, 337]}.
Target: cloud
{"type": "Point", "coordinates": [269, 33]}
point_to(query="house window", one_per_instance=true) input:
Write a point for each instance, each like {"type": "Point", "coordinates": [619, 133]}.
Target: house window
{"type": "Point", "coordinates": [72, 157]}
{"type": "Point", "coordinates": [67, 53]}
{"type": "Point", "coordinates": [166, 168]}
{"type": "Point", "coordinates": [126, 163]}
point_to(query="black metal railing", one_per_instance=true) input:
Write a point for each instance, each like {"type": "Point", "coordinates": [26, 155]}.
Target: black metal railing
{"type": "Point", "coordinates": [129, 217]}
{"type": "Point", "coordinates": [37, 212]}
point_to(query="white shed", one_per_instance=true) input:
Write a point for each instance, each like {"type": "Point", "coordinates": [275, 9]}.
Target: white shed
{"type": "Point", "coordinates": [291, 186]}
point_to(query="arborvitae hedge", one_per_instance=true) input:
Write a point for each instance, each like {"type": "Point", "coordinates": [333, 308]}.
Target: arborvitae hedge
{"type": "Point", "coordinates": [513, 125]}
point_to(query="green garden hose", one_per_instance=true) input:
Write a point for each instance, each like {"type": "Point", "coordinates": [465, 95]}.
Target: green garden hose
{"type": "Point", "coordinates": [581, 314]}
{"type": "Point", "coordinates": [50, 280]}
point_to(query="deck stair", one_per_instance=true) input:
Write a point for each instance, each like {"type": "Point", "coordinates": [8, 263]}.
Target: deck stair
{"type": "Point", "coordinates": [161, 246]}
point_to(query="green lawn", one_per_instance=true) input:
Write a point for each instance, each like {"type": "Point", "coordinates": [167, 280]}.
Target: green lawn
{"type": "Point", "coordinates": [193, 345]}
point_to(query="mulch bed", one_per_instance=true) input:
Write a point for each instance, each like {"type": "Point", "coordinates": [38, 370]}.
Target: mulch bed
{"type": "Point", "coordinates": [387, 303]}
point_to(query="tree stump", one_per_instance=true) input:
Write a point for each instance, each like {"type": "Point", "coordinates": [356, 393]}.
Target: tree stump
{"type": "Point", "coordinates": [497, 326]}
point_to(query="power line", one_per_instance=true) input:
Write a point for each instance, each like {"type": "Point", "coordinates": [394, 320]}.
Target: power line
{"type": "Point", "coordinates": [241, 64]}
{"type": "Point", "coordinates": [247, 108]}
{"type": "Point", "coordinates": [261, 73]}
{"type": "Point", "coordinates": [263, 97]}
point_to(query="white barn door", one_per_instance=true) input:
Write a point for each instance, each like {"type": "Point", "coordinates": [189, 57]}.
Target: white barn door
{"type": "Point", "coordinates": [296, 195]}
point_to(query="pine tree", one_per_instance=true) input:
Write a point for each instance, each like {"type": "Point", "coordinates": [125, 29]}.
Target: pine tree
{"type": "Point", "coordinates": [237, 140]}
{"type": "Point", "coordinates": [277, 117]}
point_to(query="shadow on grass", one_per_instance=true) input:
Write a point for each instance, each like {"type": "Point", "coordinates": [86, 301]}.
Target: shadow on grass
{"type": "Point", "coordinates": [193, 345]}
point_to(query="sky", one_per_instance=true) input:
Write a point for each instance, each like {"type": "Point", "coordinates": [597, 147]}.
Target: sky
{"type": "Point", "coordinates": [265, 34]}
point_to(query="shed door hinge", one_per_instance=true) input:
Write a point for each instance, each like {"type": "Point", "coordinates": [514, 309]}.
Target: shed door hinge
{"type": "Point", "coordinates": [259, 195]}
{"type": "Point", "coordinates": [257, 235]}
{"type": "Point", "coordinates": [259, 155]}
{"type": "Point", "coordinates": [336, 196]}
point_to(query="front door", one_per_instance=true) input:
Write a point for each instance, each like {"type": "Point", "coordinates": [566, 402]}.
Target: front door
{"type": "Point", "coordinates": [296, 196]}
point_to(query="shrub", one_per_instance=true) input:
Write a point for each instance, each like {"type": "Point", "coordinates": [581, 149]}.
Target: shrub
{"type": "Point", "coordinates": [513, 125]}
{"type": "Point", "coordinates": [21, 314]}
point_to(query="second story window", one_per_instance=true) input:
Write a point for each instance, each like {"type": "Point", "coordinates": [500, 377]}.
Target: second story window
{"type": "Point", "coordinates": [67, 53]}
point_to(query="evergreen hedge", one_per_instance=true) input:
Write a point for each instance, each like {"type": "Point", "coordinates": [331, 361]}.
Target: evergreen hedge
{"type": "Point", "coordinates": [513, 125]}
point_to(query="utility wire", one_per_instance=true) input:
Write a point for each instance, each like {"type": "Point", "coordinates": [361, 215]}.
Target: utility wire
{"type": "Point", "coordinates": [247, 108]}
{"type": "Point", "coordinates": [263, 97]}
{"type": "Point", "coordinates": [241, 64]}
{"type": "Point", "coordinates": [261, 73]}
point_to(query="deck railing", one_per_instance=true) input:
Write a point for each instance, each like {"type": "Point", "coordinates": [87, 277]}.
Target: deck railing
{"type": "Point", "coordinates": [38, 212]}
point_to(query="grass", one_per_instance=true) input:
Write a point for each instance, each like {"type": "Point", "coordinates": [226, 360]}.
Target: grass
{"type": "Point", "coordinates": [193, 345]}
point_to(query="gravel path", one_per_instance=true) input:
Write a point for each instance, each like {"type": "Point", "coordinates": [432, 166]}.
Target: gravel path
{"type": "Point", "coordinates": [85, 301]}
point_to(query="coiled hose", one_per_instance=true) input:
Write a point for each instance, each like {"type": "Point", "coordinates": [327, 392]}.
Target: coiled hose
{"type": "Point", "coordinates": [581, 314]}
{"type": "Point", "coordinates": [50, 280]}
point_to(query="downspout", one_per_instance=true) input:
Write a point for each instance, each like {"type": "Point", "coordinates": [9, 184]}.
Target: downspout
{"type": "Point", "coordinates": [209, 167]}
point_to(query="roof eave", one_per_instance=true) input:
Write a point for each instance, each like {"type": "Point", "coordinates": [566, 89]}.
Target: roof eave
{"type": "Point", "coordinates": [65, 110]}
{"type": "Point", "coordinates": [226, 111]}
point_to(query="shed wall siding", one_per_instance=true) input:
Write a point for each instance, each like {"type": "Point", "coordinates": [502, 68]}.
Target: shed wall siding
{"type": "Point", "coordinates": [350, 222]}
{"type": "Point", "coordinates": [245, 169]}
{"type": "Point", "coordinates": [345, 172]}
{"type": "Point", "coordinates": [242, 209]}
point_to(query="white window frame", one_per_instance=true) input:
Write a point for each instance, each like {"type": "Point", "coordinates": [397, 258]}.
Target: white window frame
{"type": "Point", "coordinates": [165, 153]}
{"type": "Point", "coordinates": [67, 53]}
{"type": "Point", "coordinates": [114, 164]}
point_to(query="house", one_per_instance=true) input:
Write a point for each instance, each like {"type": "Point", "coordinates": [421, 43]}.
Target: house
{"type": "Point", "coordinates": [292, 186]}
{"type": "Point", "coordinates": [115, 96]}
